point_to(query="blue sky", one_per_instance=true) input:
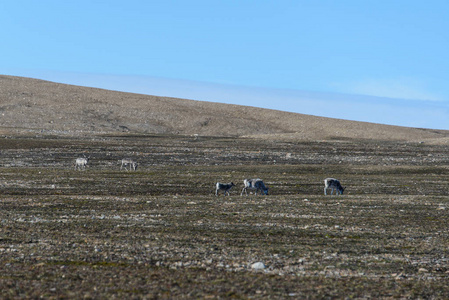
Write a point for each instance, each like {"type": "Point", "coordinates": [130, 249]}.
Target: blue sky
{"type": "Point", "coordinates": [378, 61]}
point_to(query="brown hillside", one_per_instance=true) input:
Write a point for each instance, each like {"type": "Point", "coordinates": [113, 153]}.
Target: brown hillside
{"type": "Point", "coordinates": [31, 104]}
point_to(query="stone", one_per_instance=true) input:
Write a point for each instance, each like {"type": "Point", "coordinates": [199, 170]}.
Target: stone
{"type": "Point", "coordinates": [258, 266]}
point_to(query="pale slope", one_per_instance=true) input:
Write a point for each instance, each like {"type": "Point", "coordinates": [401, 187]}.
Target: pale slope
{"type": "Point", "coordinates": [32, 104]}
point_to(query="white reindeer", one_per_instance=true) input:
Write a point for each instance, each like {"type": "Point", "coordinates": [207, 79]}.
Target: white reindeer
{"type": "Point", "coordinates": [81, 162]}
{"type": "Point", "coordinates": [226, 187]}
{"type": "Point", "coordinates": [129, 162]}
{"type": "Point", "coordinates": [254, 184]}
{"type": "Point", "coordinates": [333, 184]}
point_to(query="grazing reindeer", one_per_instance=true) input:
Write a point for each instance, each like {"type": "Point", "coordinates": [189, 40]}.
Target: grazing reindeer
{"type": "Point", "coordinates": [129, 162]}
{"type": "Point", "coordinates": [254, 184]}
{"type": "Point", "coordinates": [81, 162]}
{"type": "Point", "coordinates": [223, 187]}
{"type": "Point", "coordinates": [333, 184]}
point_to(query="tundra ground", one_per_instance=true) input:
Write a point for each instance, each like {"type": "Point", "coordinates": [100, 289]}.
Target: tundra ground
{"type": "Point", "coordinates": [160, 232]}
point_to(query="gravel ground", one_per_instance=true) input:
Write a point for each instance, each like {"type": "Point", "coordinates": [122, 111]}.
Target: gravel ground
{"type": "Point", "coordinates": [160, 232]}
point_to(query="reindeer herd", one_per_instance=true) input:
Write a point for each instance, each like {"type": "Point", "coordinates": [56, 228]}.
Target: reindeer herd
{"type": "Point", "coordinates": [81, 163]}
{"type": "Point", "coordinates": [256, 184]}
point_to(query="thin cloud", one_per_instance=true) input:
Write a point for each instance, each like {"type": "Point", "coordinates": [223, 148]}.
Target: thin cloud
{"type": "Point", "coordinates": [402, 88]}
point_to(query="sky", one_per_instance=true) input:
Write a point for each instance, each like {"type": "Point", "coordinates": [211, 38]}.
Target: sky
{"type": "Point", "coordinates": [372, 60]}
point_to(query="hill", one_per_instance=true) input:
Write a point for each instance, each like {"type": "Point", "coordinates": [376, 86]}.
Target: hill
{"type": "Point", "coordinates": [38, 105]}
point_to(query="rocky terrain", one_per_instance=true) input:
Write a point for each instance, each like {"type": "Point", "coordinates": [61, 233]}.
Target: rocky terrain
{"type": "Point", "coordinates": [161, 233]}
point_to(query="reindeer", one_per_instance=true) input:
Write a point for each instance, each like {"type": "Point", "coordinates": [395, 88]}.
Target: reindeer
{"type": "Point", "coordinates": [333, 184]}
{"type": "Point", "coordinates": [226, 187]}
{"type": "Point", "coordinates": [129, 162]}
{"type": "Point", "coordinates": [254, 184]}
{"type": "Point", "coordinates": [81, 162]}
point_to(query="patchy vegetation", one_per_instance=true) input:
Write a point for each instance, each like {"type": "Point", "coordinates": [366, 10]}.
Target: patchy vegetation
{"type": "Point", "coordinates": [160, 232]}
